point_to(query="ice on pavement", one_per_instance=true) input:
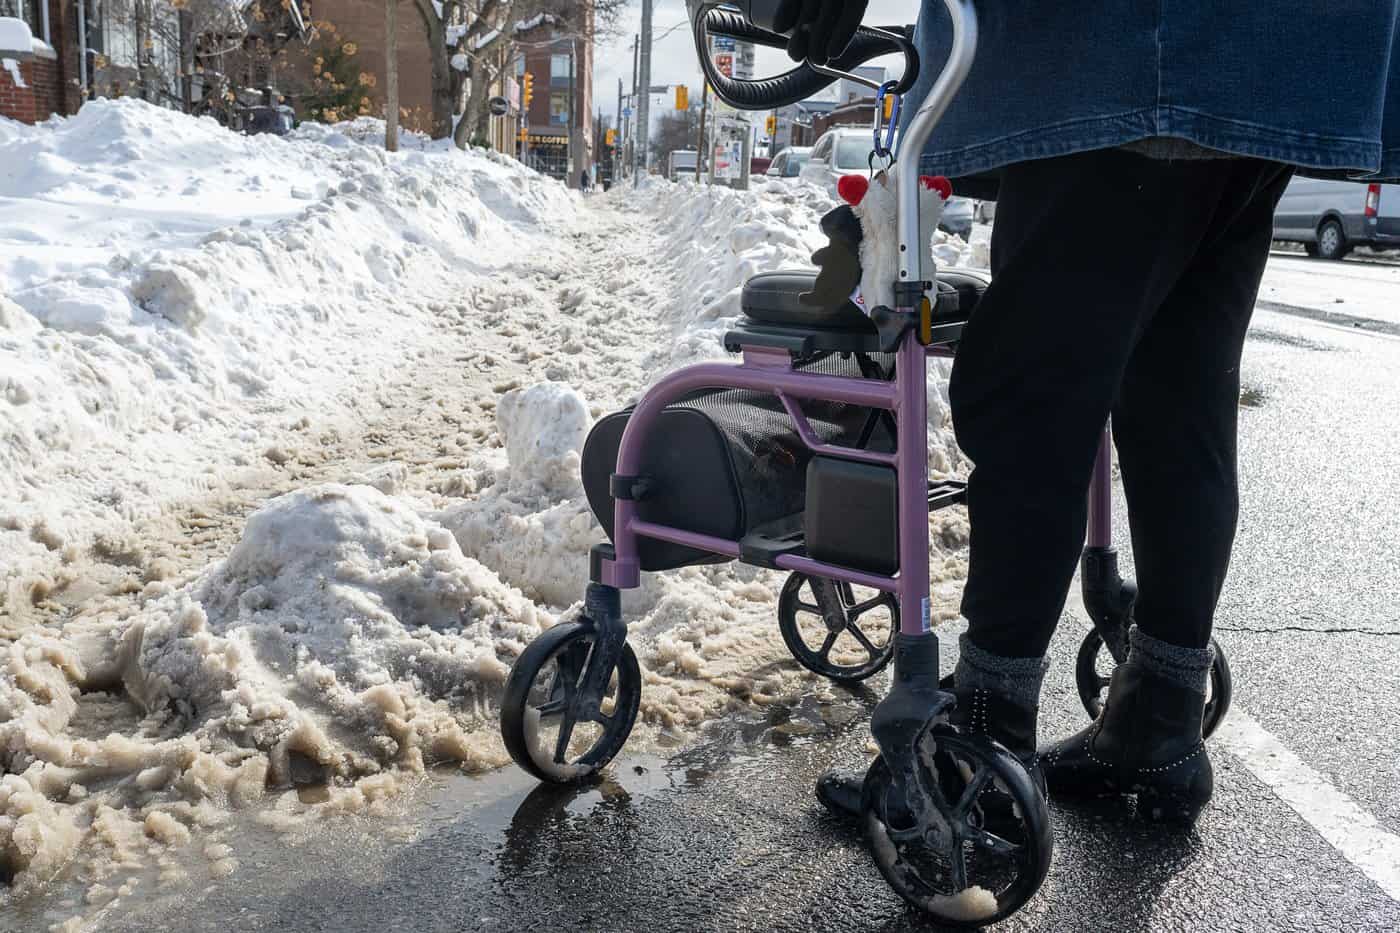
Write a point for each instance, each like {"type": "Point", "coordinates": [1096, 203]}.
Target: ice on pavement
{"type": "Point", "coordinates": [172, 298]}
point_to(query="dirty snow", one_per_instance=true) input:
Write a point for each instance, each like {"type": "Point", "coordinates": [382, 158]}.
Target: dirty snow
{"type": "Point", "coordinates": [358, 620]}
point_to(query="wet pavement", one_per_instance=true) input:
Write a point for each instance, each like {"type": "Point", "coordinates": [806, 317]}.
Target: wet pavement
{"type": "Point", "coordinates": [726, 835]}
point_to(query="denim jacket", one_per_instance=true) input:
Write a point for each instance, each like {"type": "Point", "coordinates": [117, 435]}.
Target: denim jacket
{"type": "Point", "coordinates": [1312, 83]}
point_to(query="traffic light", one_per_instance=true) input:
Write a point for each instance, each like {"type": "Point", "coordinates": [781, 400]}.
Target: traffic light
{"type": "Point", "coordinates": [682, 97]}
{"type": "Point", "coordinates": [610, 137]}
{"type": "Point", "coordinates": [529, 88]}
{"type": "Point", "coordinates": [889, 106]}
{"type": "Point", "coordinates": [771, 125]}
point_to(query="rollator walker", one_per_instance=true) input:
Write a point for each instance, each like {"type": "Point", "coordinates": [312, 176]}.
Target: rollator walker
{"type": "Point", "coordinates": [810, 455]}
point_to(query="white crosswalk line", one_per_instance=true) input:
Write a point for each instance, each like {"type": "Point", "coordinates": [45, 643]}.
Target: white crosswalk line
{"type": "Point", "coordinates": [1353, 832]}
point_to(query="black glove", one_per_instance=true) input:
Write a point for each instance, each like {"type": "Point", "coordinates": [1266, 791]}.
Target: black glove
{"type": "Point", "coordinates": [819, 30]}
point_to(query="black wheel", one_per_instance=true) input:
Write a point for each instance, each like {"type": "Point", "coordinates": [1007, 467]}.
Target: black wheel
{"type": "Point", "coordinates": [984, 849]}
{"type": "Point", "coordinates": [836, 631]}
{"type": "Point", "coordinates": [1331, 240]}
{"type": "Point", "coordinates": [1310, 249]}
{"type": "Point", "coordinates": [1092, 681]}
{"type": "Point", "coordinates": [544, 728]}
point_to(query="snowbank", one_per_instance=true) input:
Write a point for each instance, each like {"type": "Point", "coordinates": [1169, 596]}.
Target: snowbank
{"type": "Point", "coordinates": [173, 296]}
{"type": "Point", "coordinates": [355, 634]}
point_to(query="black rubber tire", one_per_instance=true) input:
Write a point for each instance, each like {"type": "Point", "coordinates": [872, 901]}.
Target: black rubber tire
{"type": "Point", "coordinates": [515, 705]}
{"type": "Point", "coordinates": [1011, 781]}
{"type": "Point", "coordinates": [1332, 240]}
{"type": "Point", "coordinates": [1310, 249]}
{"type": "Point", "coordinates": [1091, 684]}
{"type": "Point", "coordinates": [790, 603]}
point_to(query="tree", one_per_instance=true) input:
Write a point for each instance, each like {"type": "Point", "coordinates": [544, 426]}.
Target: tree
{"type": "Point", "coordinates": [676, 129]}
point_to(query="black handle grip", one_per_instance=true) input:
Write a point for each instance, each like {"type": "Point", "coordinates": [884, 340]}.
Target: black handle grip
{"type": "Point", "coordinates": [803, 81]}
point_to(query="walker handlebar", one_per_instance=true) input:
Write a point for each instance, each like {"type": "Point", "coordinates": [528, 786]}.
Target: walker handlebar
{"type": "Point", "coordinates": [708, 19]}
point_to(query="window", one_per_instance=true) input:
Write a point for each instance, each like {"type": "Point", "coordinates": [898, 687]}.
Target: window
{"type": "Point", "coordinates": [559, 71]}
{"type": "Point", "coordinates": [559, 108]}
{"type": "Point", "coordinates": [29, 11]}
{"type": "Point", "coordinates": [118, 32]}
{"type": "Point", "coordinates": [854, 152]}
{"type": "Point", "coordinates": [823, 150]}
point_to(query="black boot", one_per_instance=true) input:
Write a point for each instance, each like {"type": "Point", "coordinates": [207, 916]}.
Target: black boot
{"type": "Point", "coordinates": [979, 712]}
{"type": "Point", "coordinates": [1147, 742]}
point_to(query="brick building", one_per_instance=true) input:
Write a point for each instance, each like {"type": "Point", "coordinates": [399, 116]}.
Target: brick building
{"type": "Point", "coordinates": [362, 22]}
{"type": "Point", "coordinates": [48, 79]}
{"type": "Point", "coordinates": [559, 122]}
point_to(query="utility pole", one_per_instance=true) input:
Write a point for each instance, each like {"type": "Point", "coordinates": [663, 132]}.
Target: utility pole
{"type": "Point", "coordinates": [644, 101]}
{"type": "Point", "coordinates": [617, 139]}
{"type": "Point", "coordinates": [700, 140]}
{"type": "Point", "coordinates": [631, 126]}
{"type": "Point", "coordinates": [569, 166]}
{"type": "Point", "coordinates": [391, 75]}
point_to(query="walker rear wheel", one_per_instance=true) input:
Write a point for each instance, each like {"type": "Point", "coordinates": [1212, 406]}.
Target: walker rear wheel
{"type": "Point", "coordinates": [550, 727]}
{"type": "Point", "coordinates": [1093, 682]}
{"type": "Point", "coordinates": [834, 630]}
{"type": "Point", "coordinates": [983, 848]}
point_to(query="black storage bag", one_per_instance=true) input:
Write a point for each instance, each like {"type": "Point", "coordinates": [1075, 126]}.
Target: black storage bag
{"type": "Point", "coordinates": [725, 461]}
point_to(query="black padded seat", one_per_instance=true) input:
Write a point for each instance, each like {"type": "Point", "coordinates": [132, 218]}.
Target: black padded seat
{"type": "Point", "coordinates": [773, 298]}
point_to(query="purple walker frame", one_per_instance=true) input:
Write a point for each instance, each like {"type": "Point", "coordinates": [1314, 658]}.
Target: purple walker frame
{"type": "Point", "coordinates": [768, 370]}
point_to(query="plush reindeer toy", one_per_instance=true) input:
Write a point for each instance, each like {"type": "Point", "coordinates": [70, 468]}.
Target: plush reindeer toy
{"type": "Point", "coordinates": [861, 260]}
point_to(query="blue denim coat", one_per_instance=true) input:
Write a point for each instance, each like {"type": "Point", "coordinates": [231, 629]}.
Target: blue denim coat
{"type": "Point", "coordinates": [1313, 83]}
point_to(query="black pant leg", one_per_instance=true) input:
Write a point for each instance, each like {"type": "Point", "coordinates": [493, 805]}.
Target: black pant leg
{"type": "Point", "coordinates": [1085, 249]}
{"type": "Point", "coordinates": [1177, 413]}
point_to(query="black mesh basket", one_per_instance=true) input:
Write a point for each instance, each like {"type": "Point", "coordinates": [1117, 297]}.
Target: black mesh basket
{"type": "Point", "coordinates": [725, 461]}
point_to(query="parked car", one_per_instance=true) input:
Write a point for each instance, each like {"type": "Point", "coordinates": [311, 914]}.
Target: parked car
{"type": "Point", "coordinates": [789, 162]}
{"type": "Point", "coordinates": [986, 212]}
{"type": "Point", "coordinates": [845, 150]}
{"type": "Point", "coordinates": [1331, 217]}
{"type": "Point", "coordinates": [758, 165]}
{"type": "Point", "coordinates": [277, 121]}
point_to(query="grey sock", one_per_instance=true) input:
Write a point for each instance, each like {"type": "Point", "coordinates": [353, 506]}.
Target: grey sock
{"type": "Point", "coordinates": [1017, 678]}
{"type": "Point", "coordinates": [1189, 667]}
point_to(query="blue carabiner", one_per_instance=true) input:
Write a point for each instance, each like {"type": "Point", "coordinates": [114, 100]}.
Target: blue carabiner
{"type": "Point", "coordinates": [883, 147]}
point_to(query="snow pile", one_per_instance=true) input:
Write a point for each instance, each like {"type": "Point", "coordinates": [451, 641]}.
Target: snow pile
{"type": "Point", "coordinates": [345, 641]}
{"type": "Point", "coordinates": [356, 633]}
{"type": "Point", "coordinates": [173, 295]}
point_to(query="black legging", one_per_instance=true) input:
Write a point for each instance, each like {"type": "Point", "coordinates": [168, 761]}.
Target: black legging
{"type": "Point", "coordinates": [1125, 284]}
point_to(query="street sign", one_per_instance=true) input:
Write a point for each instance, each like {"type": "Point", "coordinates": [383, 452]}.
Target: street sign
{"type": "Point", "coordinates": [627, 113]}
{"type": "Point", "coordinates": [498, 106]}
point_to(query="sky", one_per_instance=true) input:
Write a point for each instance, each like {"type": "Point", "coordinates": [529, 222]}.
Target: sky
{"type": "Point", "coordinates": [673, 58]}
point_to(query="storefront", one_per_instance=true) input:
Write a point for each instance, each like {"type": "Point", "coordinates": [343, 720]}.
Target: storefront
{"type": "Point", "coordinates": [549, 154]}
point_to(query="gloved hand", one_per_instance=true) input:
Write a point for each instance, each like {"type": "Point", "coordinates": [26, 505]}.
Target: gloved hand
{"type": "Point", "coordinates": [819, 30]}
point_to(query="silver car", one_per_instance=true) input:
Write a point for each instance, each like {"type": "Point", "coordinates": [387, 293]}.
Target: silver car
{"type": "Point", "coordinates": [789, 162]}
{"type": "Point", "coordinates": [1331, 217]}
{"type": "Point", "coordinates": [845, 150]}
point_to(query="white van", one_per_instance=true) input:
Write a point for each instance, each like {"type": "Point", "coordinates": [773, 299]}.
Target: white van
{"type": "Point", "coordinates": [681, 165]}
{"type": "Point", "coordinates": [1330, 217]}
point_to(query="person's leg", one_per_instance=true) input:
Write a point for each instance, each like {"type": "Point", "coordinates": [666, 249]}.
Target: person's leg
{"type": "Point", "coordinates": [1085, 250]}
{"type": "Point", "coordinates": [1175, 421]}
{"type": "Point", "coordinates": [1174, 425]}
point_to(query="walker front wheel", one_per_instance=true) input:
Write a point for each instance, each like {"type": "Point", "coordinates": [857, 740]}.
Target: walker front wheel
{"type": "Point", "coordinates": [836, 631]}
{"type": "Point", "coordinates": [550, 726]}
{"type": "Point", "coordinates": [982, 847]}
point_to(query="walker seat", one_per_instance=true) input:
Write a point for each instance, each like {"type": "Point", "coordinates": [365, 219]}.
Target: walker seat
{"type": "Point", "coordinates": [775, 316]}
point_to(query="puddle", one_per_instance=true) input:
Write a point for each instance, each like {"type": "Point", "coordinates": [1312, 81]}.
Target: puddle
{"type": "Point", "coordinates": [1251, 397]}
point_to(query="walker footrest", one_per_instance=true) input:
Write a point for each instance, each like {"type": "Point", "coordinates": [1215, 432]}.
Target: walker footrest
{"type": "Point", "coordinates": [766, 543]}
{"type": "Point", "coordinates": [945, 492]}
